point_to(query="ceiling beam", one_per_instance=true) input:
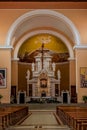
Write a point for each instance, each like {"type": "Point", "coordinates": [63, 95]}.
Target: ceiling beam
{"type": "Point", "coordinates": [43, 5]}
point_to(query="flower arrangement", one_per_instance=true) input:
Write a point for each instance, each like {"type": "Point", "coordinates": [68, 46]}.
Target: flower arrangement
{"type": "Point", "coordinates": [84, 98]}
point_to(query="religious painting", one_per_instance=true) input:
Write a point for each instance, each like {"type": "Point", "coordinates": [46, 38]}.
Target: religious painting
{"type": "Point", "coordinates": [2, 78]}
{"type": "Point", "coordinates": [43, 83]}
{"type": "Point", "coordinates": [83, 77]}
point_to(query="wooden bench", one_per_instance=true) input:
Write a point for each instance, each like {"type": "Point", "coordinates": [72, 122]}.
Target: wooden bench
{"type": "Point", "coordinates": [12, 115]}
{"type": "Point", "coordinates": [75, 119]}
{"type": "Point", "coordinates": [74, 116]}
{"type": "Point", "coordinates": [3, 121]}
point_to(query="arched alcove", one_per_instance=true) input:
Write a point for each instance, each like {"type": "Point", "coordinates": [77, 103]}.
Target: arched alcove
{"type": "Point", "coordinates": [64, 39]}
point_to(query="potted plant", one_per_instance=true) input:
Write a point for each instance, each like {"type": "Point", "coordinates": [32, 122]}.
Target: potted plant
{"type": "Point", "coordinates": [1, 97]}
{"type": "Point", "coordinates": [84, 98]}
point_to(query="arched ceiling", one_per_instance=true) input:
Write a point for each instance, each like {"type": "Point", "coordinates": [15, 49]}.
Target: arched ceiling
{"type": "Point", "coordinates": [43, 21]}
{"type": "Point", "coordinates": [34, 20]}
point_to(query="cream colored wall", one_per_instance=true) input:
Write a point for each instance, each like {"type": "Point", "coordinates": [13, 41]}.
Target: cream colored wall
{"type": "Point", "coordinates": [5, 62]}
{"type": "Point", "coordinates": [81, 61]}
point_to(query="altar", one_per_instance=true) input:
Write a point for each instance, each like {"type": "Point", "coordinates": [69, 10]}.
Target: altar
{"type": "Point", "coordinates": [43, 82]}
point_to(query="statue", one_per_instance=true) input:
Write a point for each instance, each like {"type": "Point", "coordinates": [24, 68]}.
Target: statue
{"type": "Point", "coordinates": [53, 66]}
{"type": "Point", "coordinates": [28, 75]}
{"type": "Point", "coordinates": [58, 74]}
{"type": "Point", "coordinates": [39, 66]}
{"type": "Point", "coordinates": [33, 66]}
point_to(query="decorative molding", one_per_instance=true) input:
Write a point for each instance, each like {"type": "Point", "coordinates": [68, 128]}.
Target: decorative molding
{"type": "Point", "coordinates": [15, 59]}
{"type": "Point", "coordinates": [6, 47]}
{"type": "Point", "coordinates": [24, 63]}
{"type": "Point", "coordinates": [62, 63]}
{"type": "Point", "coordinates": [43, 4]}
{"type": "Point", "coordinates": [80, 47]}
{"type": "Point", "coordinates": [70, 59]}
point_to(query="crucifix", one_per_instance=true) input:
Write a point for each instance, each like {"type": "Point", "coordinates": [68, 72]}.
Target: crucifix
{"type": "Point", "coordinates": [44, 40]}
{"type": "Point", "coordinates": [42, 51]}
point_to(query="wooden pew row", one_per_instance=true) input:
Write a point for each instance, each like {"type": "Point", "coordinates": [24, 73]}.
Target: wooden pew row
{"type": "Point", "coordinates": [73, 116]}
{"type": "Point", "coordinates": [75, 119]}
{"type": "Point", "coordinates": [12, 115]}
{"type": "Point", "coordinates": [18, 114]}
{"type": "Point", "coordinates": [69, 118]}
{"type": "Point", "coordinates": [3, 121]}
{"type": "Point", "coordinates": [63, 112]}
{"type": "Point", "coordinates": [84, 125]}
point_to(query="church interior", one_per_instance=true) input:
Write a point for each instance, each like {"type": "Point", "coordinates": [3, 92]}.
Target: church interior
{"type": "Point", "coordinates": [43, 65]}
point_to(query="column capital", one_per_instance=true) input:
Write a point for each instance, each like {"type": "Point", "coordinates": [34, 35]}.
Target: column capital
{"type": "Point", "coordinates": [15, 59]}
{"type": "Point", "coordinates": [70, 59]}
{"type": "Point", "coordinates": [80, 47]}
{"type": "Point", "coordinates": [6, 47]}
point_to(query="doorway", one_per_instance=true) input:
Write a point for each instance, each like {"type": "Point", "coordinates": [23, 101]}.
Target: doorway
{"type": "Point", "coordinates": [13, 94]}
{"type": "Point", "coordinates": [43, 94]}
{"type": "Point", "coordinates": [22, 98]}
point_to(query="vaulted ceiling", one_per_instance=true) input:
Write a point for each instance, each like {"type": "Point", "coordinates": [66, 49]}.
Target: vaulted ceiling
{"type": "Point", "coordinates": [26, 29]}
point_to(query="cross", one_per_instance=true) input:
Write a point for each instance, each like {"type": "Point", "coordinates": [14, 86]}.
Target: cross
{"type": "Point", "coordinates": [44, 40]}
{"type": "Point", "coordinates": [42, 51]}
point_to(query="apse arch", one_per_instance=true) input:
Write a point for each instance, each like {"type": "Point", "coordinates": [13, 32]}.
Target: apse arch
{"type": "Point", "coordinates": [45, 13]}
{"type": "Point", "coordinates": [63, 38]}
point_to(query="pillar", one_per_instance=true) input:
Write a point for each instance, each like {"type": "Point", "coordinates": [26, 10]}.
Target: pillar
{"type": "Point", "coordinates": [72, 73]}
{"type": "Point", "coordinates": [14, 73]}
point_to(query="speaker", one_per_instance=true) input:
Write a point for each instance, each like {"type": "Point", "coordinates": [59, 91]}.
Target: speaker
{"type": "Point", "coordinates": [65, 97]}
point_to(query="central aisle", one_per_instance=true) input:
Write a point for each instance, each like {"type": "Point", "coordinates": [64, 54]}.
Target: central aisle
{"type": "Point", "coordinates": [41, 118]}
